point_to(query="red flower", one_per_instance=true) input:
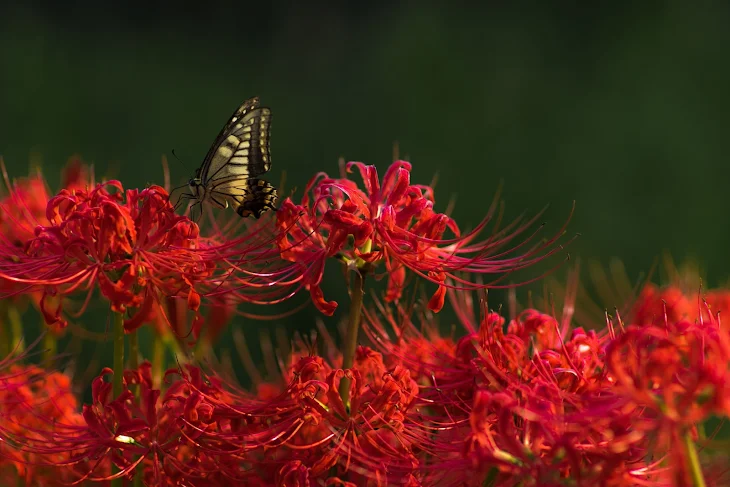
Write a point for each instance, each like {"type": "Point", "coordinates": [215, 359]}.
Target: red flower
{"type": "Point", "coordinates": [167, 436]}
{"type": "Point", "coordinates": [25, 207]}
{"type": "Point", "coordinates": [132, 247]}
{"type": "Point", "coordinates": [531, 402]}
{"type": "Point", "coordinates": [304, 433]}
{"type": "Point", "coordinates": [671, 304]}
{"type": "Point", "coordinates": [679, 371]}
{"type": "Point", "coordinates": [394, 222]}
{"type": "Point", "coordinates": [657, 306]}
{"type": "Point", "coordinates": [33, 401]}
{"type": "Point", "coordinates": [21, 211]}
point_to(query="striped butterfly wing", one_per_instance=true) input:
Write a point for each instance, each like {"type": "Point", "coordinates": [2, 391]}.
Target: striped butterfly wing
{"type": "Point", "coordinates": [240, 153]}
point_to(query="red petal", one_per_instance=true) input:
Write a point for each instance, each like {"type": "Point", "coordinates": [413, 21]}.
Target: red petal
{"type": "Point", "coordinates": [437, 300]}
{"type": "Point", "coordinates": [396, 280]}
{"type": "Point", "coordinates": [326, 307]}
{"type": "Point", "coordinates": [193, 300]}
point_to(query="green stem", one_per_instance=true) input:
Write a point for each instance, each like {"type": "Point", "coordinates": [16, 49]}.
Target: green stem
{"type": "Point", "coordinates": [134, 361]}
{"type": "Point", "coordinates": [138, 476]}
{"type": "Point", "coordinates": [50, 346]}
{"type": "Point", "coordinates": [118, 380]}
{"type": "Point", "coordinates": [133, 351]}
{"type": "Point", "coordinates": [158, 360]}
{"type": "Point", "coordinates": [353, 327]}
{"type": "Point", "coordinates": [698, 480]}
{"type": "Point", "coordinates": [202, 347]}
{"type": "Point", "coordinates": [4, 340]}
{"type": "Point", "coordinates": [118, 384]}
{"type": "Point", "coordinates": [16, 329]}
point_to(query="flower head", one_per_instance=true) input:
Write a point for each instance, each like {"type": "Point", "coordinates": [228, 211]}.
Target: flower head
{"type": "Point", "coordinates": [130, 245]}
{"type": "Point", "coordinates": [166, 434]}
{"type": "Point", "coordinates": [21, 211]}
{"type": "Point", "coordinates": [527, 399]}
{"type": "Point", "coordinates": [33, 401]}
{"type": "Point", "coordinates": [393, 222]}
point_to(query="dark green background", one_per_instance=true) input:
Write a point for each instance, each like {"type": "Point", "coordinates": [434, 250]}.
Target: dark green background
{"type": "Point", "coordinates": [621, 107]}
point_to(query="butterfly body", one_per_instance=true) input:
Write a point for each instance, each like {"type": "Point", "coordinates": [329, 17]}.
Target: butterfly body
{"type": "Point", "coordinates": [230, 170]}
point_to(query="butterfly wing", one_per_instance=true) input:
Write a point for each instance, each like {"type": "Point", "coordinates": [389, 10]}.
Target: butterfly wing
{"type": "Point", "coordinates": [242, 148]}
{"type": "Point", "coordinates": [259, 197]}
{"type": "Point", "coordinates": [239, 154]}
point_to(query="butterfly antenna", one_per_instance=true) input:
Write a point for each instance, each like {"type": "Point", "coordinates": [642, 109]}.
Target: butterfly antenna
{"type": "Point", "coordinates": [178, 159]}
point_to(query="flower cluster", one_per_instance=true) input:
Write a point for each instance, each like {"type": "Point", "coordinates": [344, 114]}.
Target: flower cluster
{"type": "Point", "coordinates": [512, 401]}
{"type": "Point", "coordinates": [670, 304]}
{"type": "Point", "coordinates": [25, 207]}
{"type": "Point", "coordinates": [394, 222]}
{"type": "Point", "coordinates": [526, 399]}
{"type": "Point", "coordinates": [21, 212]}
{"type": "Point", "coordinates": [131, 246]}
{"type": "Point", "coordinates": [33, 402]}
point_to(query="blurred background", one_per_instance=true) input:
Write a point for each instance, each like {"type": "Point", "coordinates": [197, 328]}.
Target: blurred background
{"type": "Point", "coordinates": [622, 107]}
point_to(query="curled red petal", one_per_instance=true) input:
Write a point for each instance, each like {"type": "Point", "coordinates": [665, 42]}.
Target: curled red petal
{"type": "Point", "coordinates": [326, 307]}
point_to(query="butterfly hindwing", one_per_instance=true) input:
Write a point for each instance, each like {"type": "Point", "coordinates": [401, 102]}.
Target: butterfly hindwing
{"type": "Point", "coordinates": [259, 196]}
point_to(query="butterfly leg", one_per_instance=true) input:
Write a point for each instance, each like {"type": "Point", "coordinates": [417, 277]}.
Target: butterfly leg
{"type": "Point", "coordinates": [182, 197]}
{"type": "Point", "coordinates": [199, 204]}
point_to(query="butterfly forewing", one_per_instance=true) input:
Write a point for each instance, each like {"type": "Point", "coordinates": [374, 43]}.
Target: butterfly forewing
{"type": "Point", "coordinates": [250, 137]}
{"type": "Point", "coordinates": [243, 147]}
{"type": "Point", "coordinates": [246, 107]}
{"type": "Point", "coordinates": [239, 154]}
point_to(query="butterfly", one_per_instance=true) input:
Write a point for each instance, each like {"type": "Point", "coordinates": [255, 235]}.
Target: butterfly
{"type": "Point", "coordinates": [239, 155]}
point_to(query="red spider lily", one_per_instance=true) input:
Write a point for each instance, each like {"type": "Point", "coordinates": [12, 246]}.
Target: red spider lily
{"type": "Point", "coordinates": [22, 210]}
{"type": "Point", "coordinates": [129, 249]}
{"type": "Point", "coordinates": [528, 400]}
{"type": "Point", "coordinates": [32, 402]}
{"type": "Point", "coordinates": [656, 306]}
{"type": "Point", "coordinates": [394, 222]}
{"type": "Point", "coordinates": [528, 403]}
{"type": "Point", "coordinates": [131, 246]}
{"type": "Point", "coordinates": [671, 304]}
{"type": "Point", "coordinates": [25, 207]}
{"type": "Point", "coordinates": [305, 434]}
{"type": "Point", "coordinates": [678, 374]}
{"type": "Point", "coordinates": [166, 436]}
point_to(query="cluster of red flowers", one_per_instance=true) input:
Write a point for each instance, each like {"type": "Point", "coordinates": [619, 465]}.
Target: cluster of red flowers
{"type": "Point", "coordinates": [21, 212]}
{"type": "Point", "coordinates": [129, 245]}
{"type": "Point", "coordinates": [530, 399]}
{"type": "Point", "coordinates": [522, 402]}
{"type": "Point", "coordinates": [33, 402]}
{"type": "Point", "coordinates": [394, 222]}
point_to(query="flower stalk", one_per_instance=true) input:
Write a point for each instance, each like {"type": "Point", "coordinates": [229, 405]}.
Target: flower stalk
{"type": "Point", "coordinates": [4, 340]}
{"type": "Point", "coordinates": [353, 327]}
{"type": "Point", "coordinates": [693, 459]}
{"type": "Point", "coordinates": [118, 378]}
{"type": "Point", "coordinates": [50, 346]}
{"type": "Point", "coordinates": [133, 351]}
{"type": "Point", "coordinates": [16, 328]}
{"type": "Point", "coordinates": [118, 333]}
{"type": "Point", "coordinates": [158, 359]}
